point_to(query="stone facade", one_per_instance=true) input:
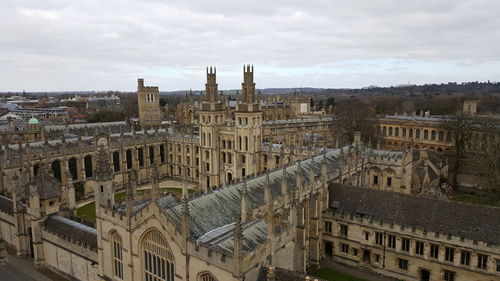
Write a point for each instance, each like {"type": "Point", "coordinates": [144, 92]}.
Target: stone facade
{"type": "Point", "coordinates": [393, 235]}
{"type": "Point", "coordinates": [148, 101]}
{"type": "Point", "coordinates": [259, 204]}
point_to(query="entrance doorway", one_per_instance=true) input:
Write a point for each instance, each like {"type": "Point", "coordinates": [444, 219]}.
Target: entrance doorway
{"type": "Point", "coordinates": [366, 256]}
{"type": "Point", "coordinates": [425, 275]}
{"type": "Point", "coordinates": [329, 249]}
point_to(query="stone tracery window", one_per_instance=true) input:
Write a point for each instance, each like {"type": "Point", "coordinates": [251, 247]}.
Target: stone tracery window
{"type": "Point", "coordinates": [158, 260]}
{"type": "Point", "coordinates": [116, 248]}
{"type": "Point", "coordinates": [206, 277]}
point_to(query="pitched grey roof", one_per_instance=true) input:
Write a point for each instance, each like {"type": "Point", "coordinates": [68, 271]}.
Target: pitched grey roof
{"type": "Point", "coordinates": [222, 206]}
{"type": "Point", "coordinates": [44, 184]}
{"type": "Point", "coordinates": [254, 234]}
{"type": "Point", "coordinates": [72, 230]}
{"type": "Point", "coordinates": [213, 215]}
{"type": "Point", "coordinates": [86, 126]}
{"type": "Point", "coordinates": [464, 220]}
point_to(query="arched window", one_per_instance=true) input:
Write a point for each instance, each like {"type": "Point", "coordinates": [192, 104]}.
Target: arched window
{"type": "Point", "coordinates": [390, 131]}
{"type": "Point", "coordinates": [116, 249]}
{"type": "Point", "coordinates": [151, 154]}
{"type": "Point", "coordinates": [206, 277]}
{"type": "Point", "coordinates": [433, 135]}
{"type": "Point", "coordinates": [56, 169]}
{"type": "Point", "coordinates": [35, 169]}
{"type": "Point", "coordinates": [410, 133]}
{"type": "Point", "coordinates": [162, 154]}
{"type": "Point", "coordinates": [417, 133]}
{"type": "Point", "coordinates": [384, 131]}
{"type": "Point", "coordinates": [88, 166]}
{"type": "Point", "coordinates": [426, 134]}
{"type": "Point", "coordinates": [129, 158]}
{"type": "Point", "coordinates": [404, 132]}
{"type": "Point", "coordinates": [441, 136]}
{"type": "Point", "coordinates": [396, 133]}
{"type": "Point", "coordinates": [140, 155]}
{"type": "Point", "coordinates": [158, 260]}
{"type": "Point", "coordinates": [73, 168]}
{"type": "Point", "coordinates": [116, 161]}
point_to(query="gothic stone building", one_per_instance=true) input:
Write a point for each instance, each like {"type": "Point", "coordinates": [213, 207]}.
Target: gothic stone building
{"type": "Point", "coordinates": [411, 238]}
{"type": "Point", "coordinates": [289, 217]}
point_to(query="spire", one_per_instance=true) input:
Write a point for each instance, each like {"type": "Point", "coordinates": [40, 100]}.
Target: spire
{"type": "Point", "coordinates": [184, 185]}
{"type": "Point", "coordinates": [324, 170]}
{"type": "Point", "coordinates": [312, 174]}
{"type": "Point", "coordinates": [185, 218]}
{"type": "Point", "coordinates": [238, 245]}
{"type": "Point", "coordinates": [298, 179]}
{"type": "Point", "coordinates": [70, 191]}
{"type": "Point", "coordinates": [103, 170]}
{"type": "Point", "coordinates": [248, 86]}
{"type": "Point", "coordinates": [211, 85]}
{"type": "Point", "coordinates": [284, 181]}
{"type": "Point", "coordinates": [155, 188]}
{"type": "Point", "coordinates": [267, 188]}
{"type": "Point", "coordinates": [130, 192]}
{"type": "Point", "coordinates": [243, 201]}
{"type": "Point", "coordinates": [269, 208]}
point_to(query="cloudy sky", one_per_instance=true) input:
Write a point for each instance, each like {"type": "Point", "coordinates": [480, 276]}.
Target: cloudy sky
{"type": "Point", "coordinates": [54, 45]}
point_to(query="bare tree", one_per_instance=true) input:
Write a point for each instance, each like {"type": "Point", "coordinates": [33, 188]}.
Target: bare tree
{"type": "Point", "coordinates": [459, 129]}
{"type": "Point", "coordinates": [354, 116]}
{"type": "Point", "coordinates": [483, 158]}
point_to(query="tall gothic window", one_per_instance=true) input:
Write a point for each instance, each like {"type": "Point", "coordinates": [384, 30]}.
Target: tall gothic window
{"type": "Point", "coordinates": [116, 161]}
{"type": "Point", "coordinates": [116, 247]}
{"type": "Point", "coordinates": [206, 277]}
{"type": "Point", "coordinates": [158, 259]}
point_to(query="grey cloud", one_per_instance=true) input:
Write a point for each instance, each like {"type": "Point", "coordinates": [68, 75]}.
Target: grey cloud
{"type": "Point", "coordinates": [49, 45]}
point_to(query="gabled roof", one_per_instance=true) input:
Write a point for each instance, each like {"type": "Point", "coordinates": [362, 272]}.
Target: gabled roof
{"type": "Point", "coordinates": [72, 230]}
{"type": "Point", "coordinates": [213, 215]}
{"type": "Point", "coordinates": [44, 184]}
{"type": "Point", "coordinates": [469, 221]}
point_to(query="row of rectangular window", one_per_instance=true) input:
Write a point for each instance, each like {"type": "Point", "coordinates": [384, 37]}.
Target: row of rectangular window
{"type": "Point", "coordinates": [482, 260]}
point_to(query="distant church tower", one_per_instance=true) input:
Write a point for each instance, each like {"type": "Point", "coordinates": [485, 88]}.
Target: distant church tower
{"type": "Point", "coordinates": [148, 101]}
{"type": "Point", "coordinates": [212, 117]}
{"type": "Point", "coordinates": [248, 131]}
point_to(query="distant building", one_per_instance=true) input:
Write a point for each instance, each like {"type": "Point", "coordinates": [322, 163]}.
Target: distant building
{"type": "Point", "coordinates": [148, 100]}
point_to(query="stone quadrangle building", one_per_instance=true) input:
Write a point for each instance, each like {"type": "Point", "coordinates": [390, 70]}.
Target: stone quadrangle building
{"type": "Point", "coordinates": [260, 203]}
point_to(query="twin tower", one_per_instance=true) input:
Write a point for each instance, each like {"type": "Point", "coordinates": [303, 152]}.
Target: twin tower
{"type": "Point", "coordinates": [247, 87]}
{"type": "Point", "coordinates": [148, 97]}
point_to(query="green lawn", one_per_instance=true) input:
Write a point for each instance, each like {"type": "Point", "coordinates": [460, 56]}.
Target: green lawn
{"type": "Point", "coordinates": [332, 275]}
{"type": "Point", "coordinates": [89, 210]}
{"type": "Point", "coordinates": [474, 199]}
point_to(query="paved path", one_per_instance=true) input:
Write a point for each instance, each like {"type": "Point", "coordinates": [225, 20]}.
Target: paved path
{"type": "Point", "coordinates": [353, 271]}
{"type": "Point", "coordinates": [17, 269]}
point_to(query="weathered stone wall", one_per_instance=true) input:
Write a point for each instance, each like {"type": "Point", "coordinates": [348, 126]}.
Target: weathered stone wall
{"type": "Point", "coordinates": [70, 260]}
